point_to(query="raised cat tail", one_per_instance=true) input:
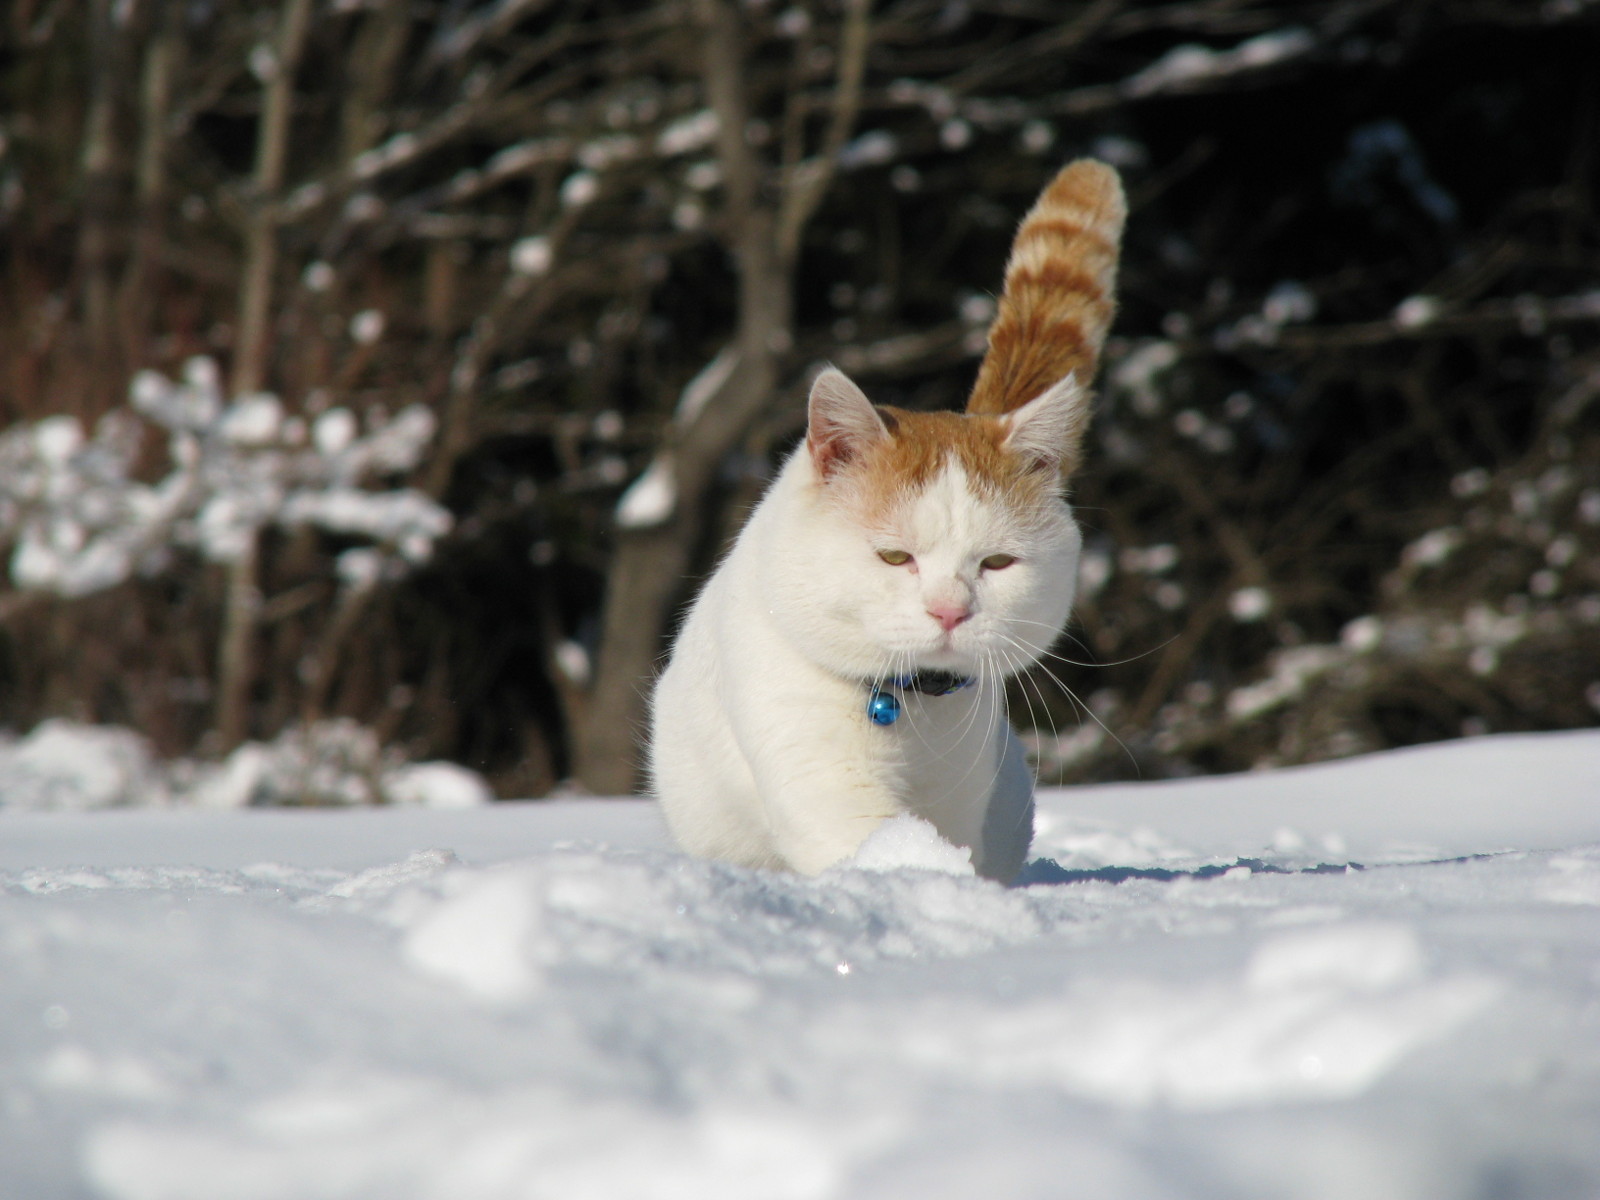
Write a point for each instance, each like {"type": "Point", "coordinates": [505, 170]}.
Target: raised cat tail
{"type": "Point", "coordinates": [1059, 297]}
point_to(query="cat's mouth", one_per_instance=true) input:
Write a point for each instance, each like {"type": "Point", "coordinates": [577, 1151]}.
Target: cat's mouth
{"type": "Point", "coordinates": [945, 655]}
{"type": "Point", "coordinates": [957, 650]}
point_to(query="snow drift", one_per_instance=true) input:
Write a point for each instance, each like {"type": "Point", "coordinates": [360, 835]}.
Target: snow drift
{"type": "Point", "coordinates": [1376, 978]}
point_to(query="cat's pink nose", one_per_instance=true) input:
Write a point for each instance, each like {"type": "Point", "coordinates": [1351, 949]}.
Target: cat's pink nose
{"type": "Point", "coordinates": [949, 615]}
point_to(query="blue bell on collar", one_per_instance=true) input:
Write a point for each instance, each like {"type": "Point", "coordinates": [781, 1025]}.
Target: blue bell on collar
{"type": "Point", "coordinates": [883, 708]}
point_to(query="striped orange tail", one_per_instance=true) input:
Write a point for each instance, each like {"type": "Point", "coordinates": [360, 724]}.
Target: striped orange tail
{"type": "Point", "coordinates": [1059, 293]}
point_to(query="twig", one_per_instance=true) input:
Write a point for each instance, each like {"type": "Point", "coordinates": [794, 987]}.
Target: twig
{"type": "Point", "coordinates": [261, 236]}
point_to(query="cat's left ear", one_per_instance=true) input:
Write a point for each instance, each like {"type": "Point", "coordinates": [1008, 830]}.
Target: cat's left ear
{"type": "Point", "coordinates": [841, 423]}
{"type": "Point", "coordinates": [1048, 430]}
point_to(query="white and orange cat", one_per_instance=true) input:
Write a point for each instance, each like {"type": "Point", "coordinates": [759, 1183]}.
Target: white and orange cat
{"type": "Point", "coordinates": [846, 663]}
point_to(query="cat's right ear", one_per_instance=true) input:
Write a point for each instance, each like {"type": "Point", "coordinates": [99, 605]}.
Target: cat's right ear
{"type": "Point", "coordinates": [1048, 430]}
{"type": "Point", "coordinates": [841, 423]}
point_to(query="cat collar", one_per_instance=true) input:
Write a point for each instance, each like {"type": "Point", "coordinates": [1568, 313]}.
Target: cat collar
{"type": "Point", "coordinates": [883, 706]}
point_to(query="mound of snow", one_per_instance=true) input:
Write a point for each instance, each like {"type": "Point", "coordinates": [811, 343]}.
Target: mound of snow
{"type": "Point", "coordinates": [435, 785]}
{"type": "Point", "coordinates": [910, 843]}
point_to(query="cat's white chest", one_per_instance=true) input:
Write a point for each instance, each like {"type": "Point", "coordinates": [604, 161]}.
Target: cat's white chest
{"type": "Point", "coordinates": [948, 751]}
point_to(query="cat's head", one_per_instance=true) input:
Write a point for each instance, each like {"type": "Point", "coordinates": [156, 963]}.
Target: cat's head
{"type": "Point", "coordinates": [942, 540]}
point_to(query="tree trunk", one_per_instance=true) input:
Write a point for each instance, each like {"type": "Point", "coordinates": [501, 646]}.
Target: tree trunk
{"type": "Point", "coordinates": [261, 235]}
{"type": "Point", "coordinates": [155, 108]}
{"type": "Point", "coordinates": [649, 565]}
{"type": "Point", "coordinates": [236, 660]}
{"type": "Point", "coordinates": [100, 199]}
{"type": "Point", "coordinates": [648, 568]}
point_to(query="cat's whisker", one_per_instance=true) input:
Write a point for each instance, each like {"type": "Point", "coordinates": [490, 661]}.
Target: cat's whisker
{"type": "Point", "coordinates": [1024, 682]}
{"type": "Point", "coordinates": [1033, 719]}
{"type": "Point", "coordinates": [1047, 646]}
{"type": "Point", "coordinates": [905, 666]}
{"type": "Point", "coordinates": [998, 726]}
{"type": "Point", "coordinates": [1023, 824]}
{"type": "Point", "coordinates": [1049, 653]}
{"type": "Point", "coordinates": [1025, 816]}
{"type": "Point", "coordinates": [1084, 708]}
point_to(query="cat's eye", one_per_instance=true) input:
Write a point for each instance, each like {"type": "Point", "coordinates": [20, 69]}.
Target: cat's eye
{"type": "Point", "coordinates": [998, 562]}
{"type": "Point", "coordinates": [895, 558]}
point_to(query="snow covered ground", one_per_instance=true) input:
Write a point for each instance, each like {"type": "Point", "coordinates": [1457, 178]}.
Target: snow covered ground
{"type": "Point", "coordinates": [1377, 979]}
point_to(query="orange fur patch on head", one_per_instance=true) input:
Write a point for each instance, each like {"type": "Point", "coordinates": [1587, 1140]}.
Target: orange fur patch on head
{"type": "Point", "coordinates": [1059, 291]}
{"type": "Point", "coordinates": [921, 445]}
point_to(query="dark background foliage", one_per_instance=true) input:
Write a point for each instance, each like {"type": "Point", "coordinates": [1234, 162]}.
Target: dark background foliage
{"type": "Point", "coordinates": [1344, 487]}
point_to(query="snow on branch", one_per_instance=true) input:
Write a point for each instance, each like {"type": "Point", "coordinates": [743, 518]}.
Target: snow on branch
{"type": "Point", "coordinates": [1190, 66]}
{"type": "Point", "coordinates": [651, 498]}
{"type": "Point", "coordinates": [80, 521]}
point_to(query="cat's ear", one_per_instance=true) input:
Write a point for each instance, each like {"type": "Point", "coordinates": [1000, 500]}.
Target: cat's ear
{"type": "Point", "coordinates": [1048, 430]}
{"type": "Point", "coordinates": [841, 423]}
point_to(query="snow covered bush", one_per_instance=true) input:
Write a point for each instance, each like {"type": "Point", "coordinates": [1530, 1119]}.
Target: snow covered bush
{"type": "Point", "coordinates": [86, 511]}
{"type": "Point", "coordinates": [79, 520]}
{"type": "Point", "coordinates": [337, 764]}
{"type": "Point", "coordinates": [62, 765]}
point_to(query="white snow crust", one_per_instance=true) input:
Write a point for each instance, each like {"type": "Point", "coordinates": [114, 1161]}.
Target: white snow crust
{"type": "Point", "coordinates": [1376, 979]}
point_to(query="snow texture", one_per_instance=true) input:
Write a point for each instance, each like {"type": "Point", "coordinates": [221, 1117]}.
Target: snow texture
{"type": "Point", "coordinates": [1377, 978]}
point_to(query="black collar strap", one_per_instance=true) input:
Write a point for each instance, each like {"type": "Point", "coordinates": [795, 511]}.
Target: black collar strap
{"type": "Point", "coordinates": [930, 683]}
